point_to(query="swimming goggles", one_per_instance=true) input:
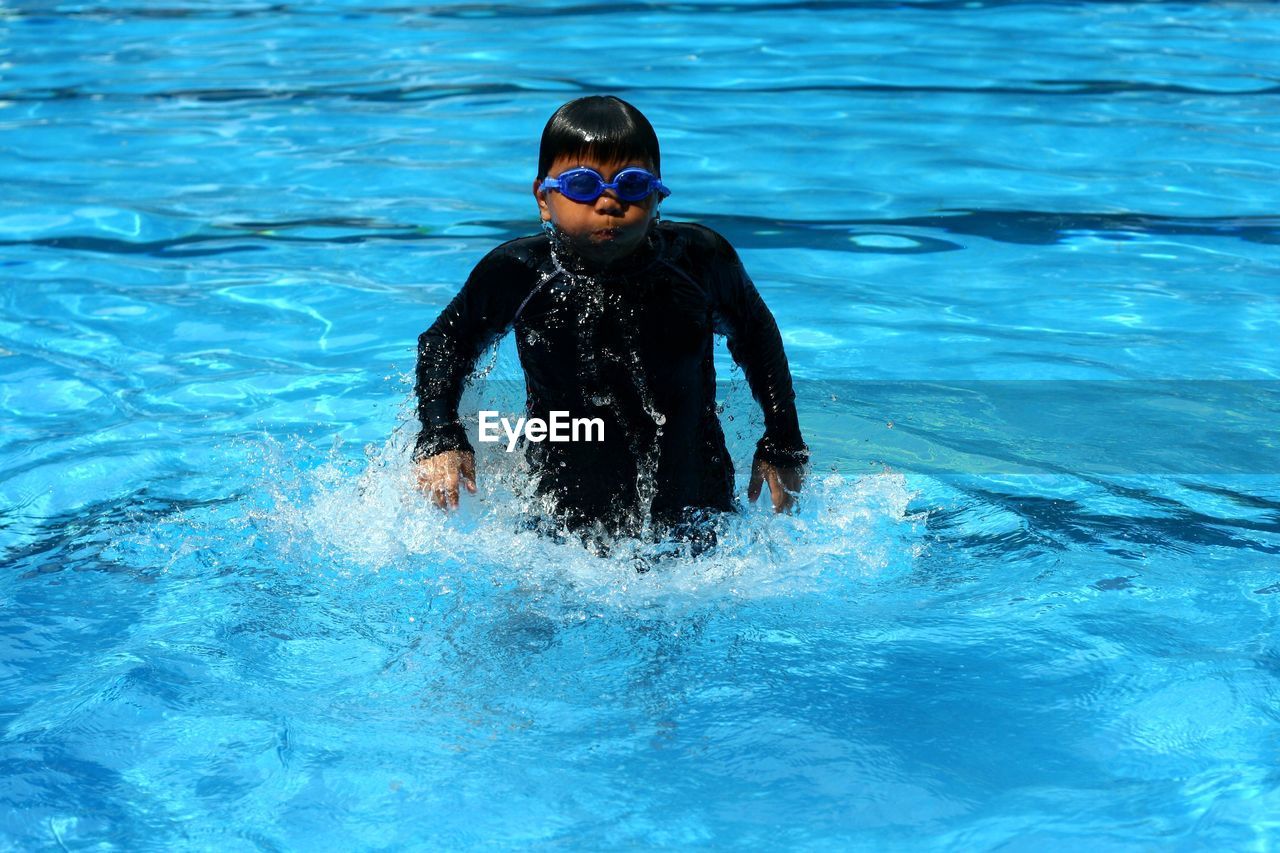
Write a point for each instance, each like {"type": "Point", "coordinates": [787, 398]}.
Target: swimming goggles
{"type": "Point", "coordinates": [583, 184]}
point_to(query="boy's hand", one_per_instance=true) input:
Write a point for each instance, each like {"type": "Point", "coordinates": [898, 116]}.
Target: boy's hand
{"type": "Point", "coordinates": [784, 482]}
{"type": "Point", "coordinates": [438, 476]}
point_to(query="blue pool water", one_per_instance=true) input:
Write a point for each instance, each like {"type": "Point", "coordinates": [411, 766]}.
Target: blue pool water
{"type": "Point", "coordinates": [1024, 258]}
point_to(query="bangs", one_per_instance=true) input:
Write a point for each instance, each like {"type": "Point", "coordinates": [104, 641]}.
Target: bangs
{"type": "Point", "coordinates": [599, 127]}
{"type": "Point", "coordinates": [607, 151]}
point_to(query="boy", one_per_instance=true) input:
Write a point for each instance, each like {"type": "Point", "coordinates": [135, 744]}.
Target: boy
{"type": "Point", "coordinates": [614, 313]}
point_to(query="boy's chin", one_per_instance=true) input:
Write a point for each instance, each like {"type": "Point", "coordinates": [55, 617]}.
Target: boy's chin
{"type": "Point", "coordinates": [607, 247]}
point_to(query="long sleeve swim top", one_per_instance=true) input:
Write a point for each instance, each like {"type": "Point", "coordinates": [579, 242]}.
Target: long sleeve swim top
{"type": "Point", "coordinates": [634, 350]}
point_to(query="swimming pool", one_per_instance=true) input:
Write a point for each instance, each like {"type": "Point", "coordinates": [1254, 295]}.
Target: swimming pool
{"type": "Point", "coordinates": [1023, 256]}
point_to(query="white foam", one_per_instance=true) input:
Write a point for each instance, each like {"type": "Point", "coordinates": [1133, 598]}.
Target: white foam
{"type": "Point", "coordinates": [357, 519]}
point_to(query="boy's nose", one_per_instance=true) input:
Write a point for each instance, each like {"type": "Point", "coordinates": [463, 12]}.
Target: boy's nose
{"type": "Point", "coordinates": [610, 203]}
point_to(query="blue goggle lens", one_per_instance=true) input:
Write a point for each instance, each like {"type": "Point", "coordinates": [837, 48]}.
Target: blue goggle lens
{"type": "Point", "coordinates": [633, 185]}
{"type": "Point", "coordinates": [586, 186]}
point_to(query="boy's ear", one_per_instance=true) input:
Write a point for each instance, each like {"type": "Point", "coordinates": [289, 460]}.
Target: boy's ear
{"type": "Point", "coordinates": [542, 200]}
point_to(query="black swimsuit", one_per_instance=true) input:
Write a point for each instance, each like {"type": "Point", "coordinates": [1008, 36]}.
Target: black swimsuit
{"type": "Point", "coordinates": [633, 349]}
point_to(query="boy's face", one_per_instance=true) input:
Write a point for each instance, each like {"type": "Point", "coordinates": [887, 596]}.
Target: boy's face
{"type": "Point", "coordinates": [601, 231]}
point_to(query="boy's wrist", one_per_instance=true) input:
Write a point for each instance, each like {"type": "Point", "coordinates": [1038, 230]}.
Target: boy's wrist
{"type": "Point", "coordinates": [438, 439]}
{"type": "Point", "coordinates": [789, 454]}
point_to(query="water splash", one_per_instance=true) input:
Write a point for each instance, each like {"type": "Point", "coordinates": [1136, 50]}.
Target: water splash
{"type": "Point", "coordinates": [359, 518]}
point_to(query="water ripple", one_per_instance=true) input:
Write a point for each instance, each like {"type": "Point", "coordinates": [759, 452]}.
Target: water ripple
{"type": "Point", "coordinates": [889, 236]}
{"type": "Point", "coordinates": [490, 11]}
{"type": "Point", "coordinates": [1039, 88]}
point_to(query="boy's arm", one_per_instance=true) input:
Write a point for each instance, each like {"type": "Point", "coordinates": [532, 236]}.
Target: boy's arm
{"type": "Point", "coordinates": [756, 345]}
{"type": "Point", "coordinates": [447, 352]}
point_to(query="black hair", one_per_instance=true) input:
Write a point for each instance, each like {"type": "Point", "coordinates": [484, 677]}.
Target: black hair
{"type": "Point", "coordinates": [598, 126]}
